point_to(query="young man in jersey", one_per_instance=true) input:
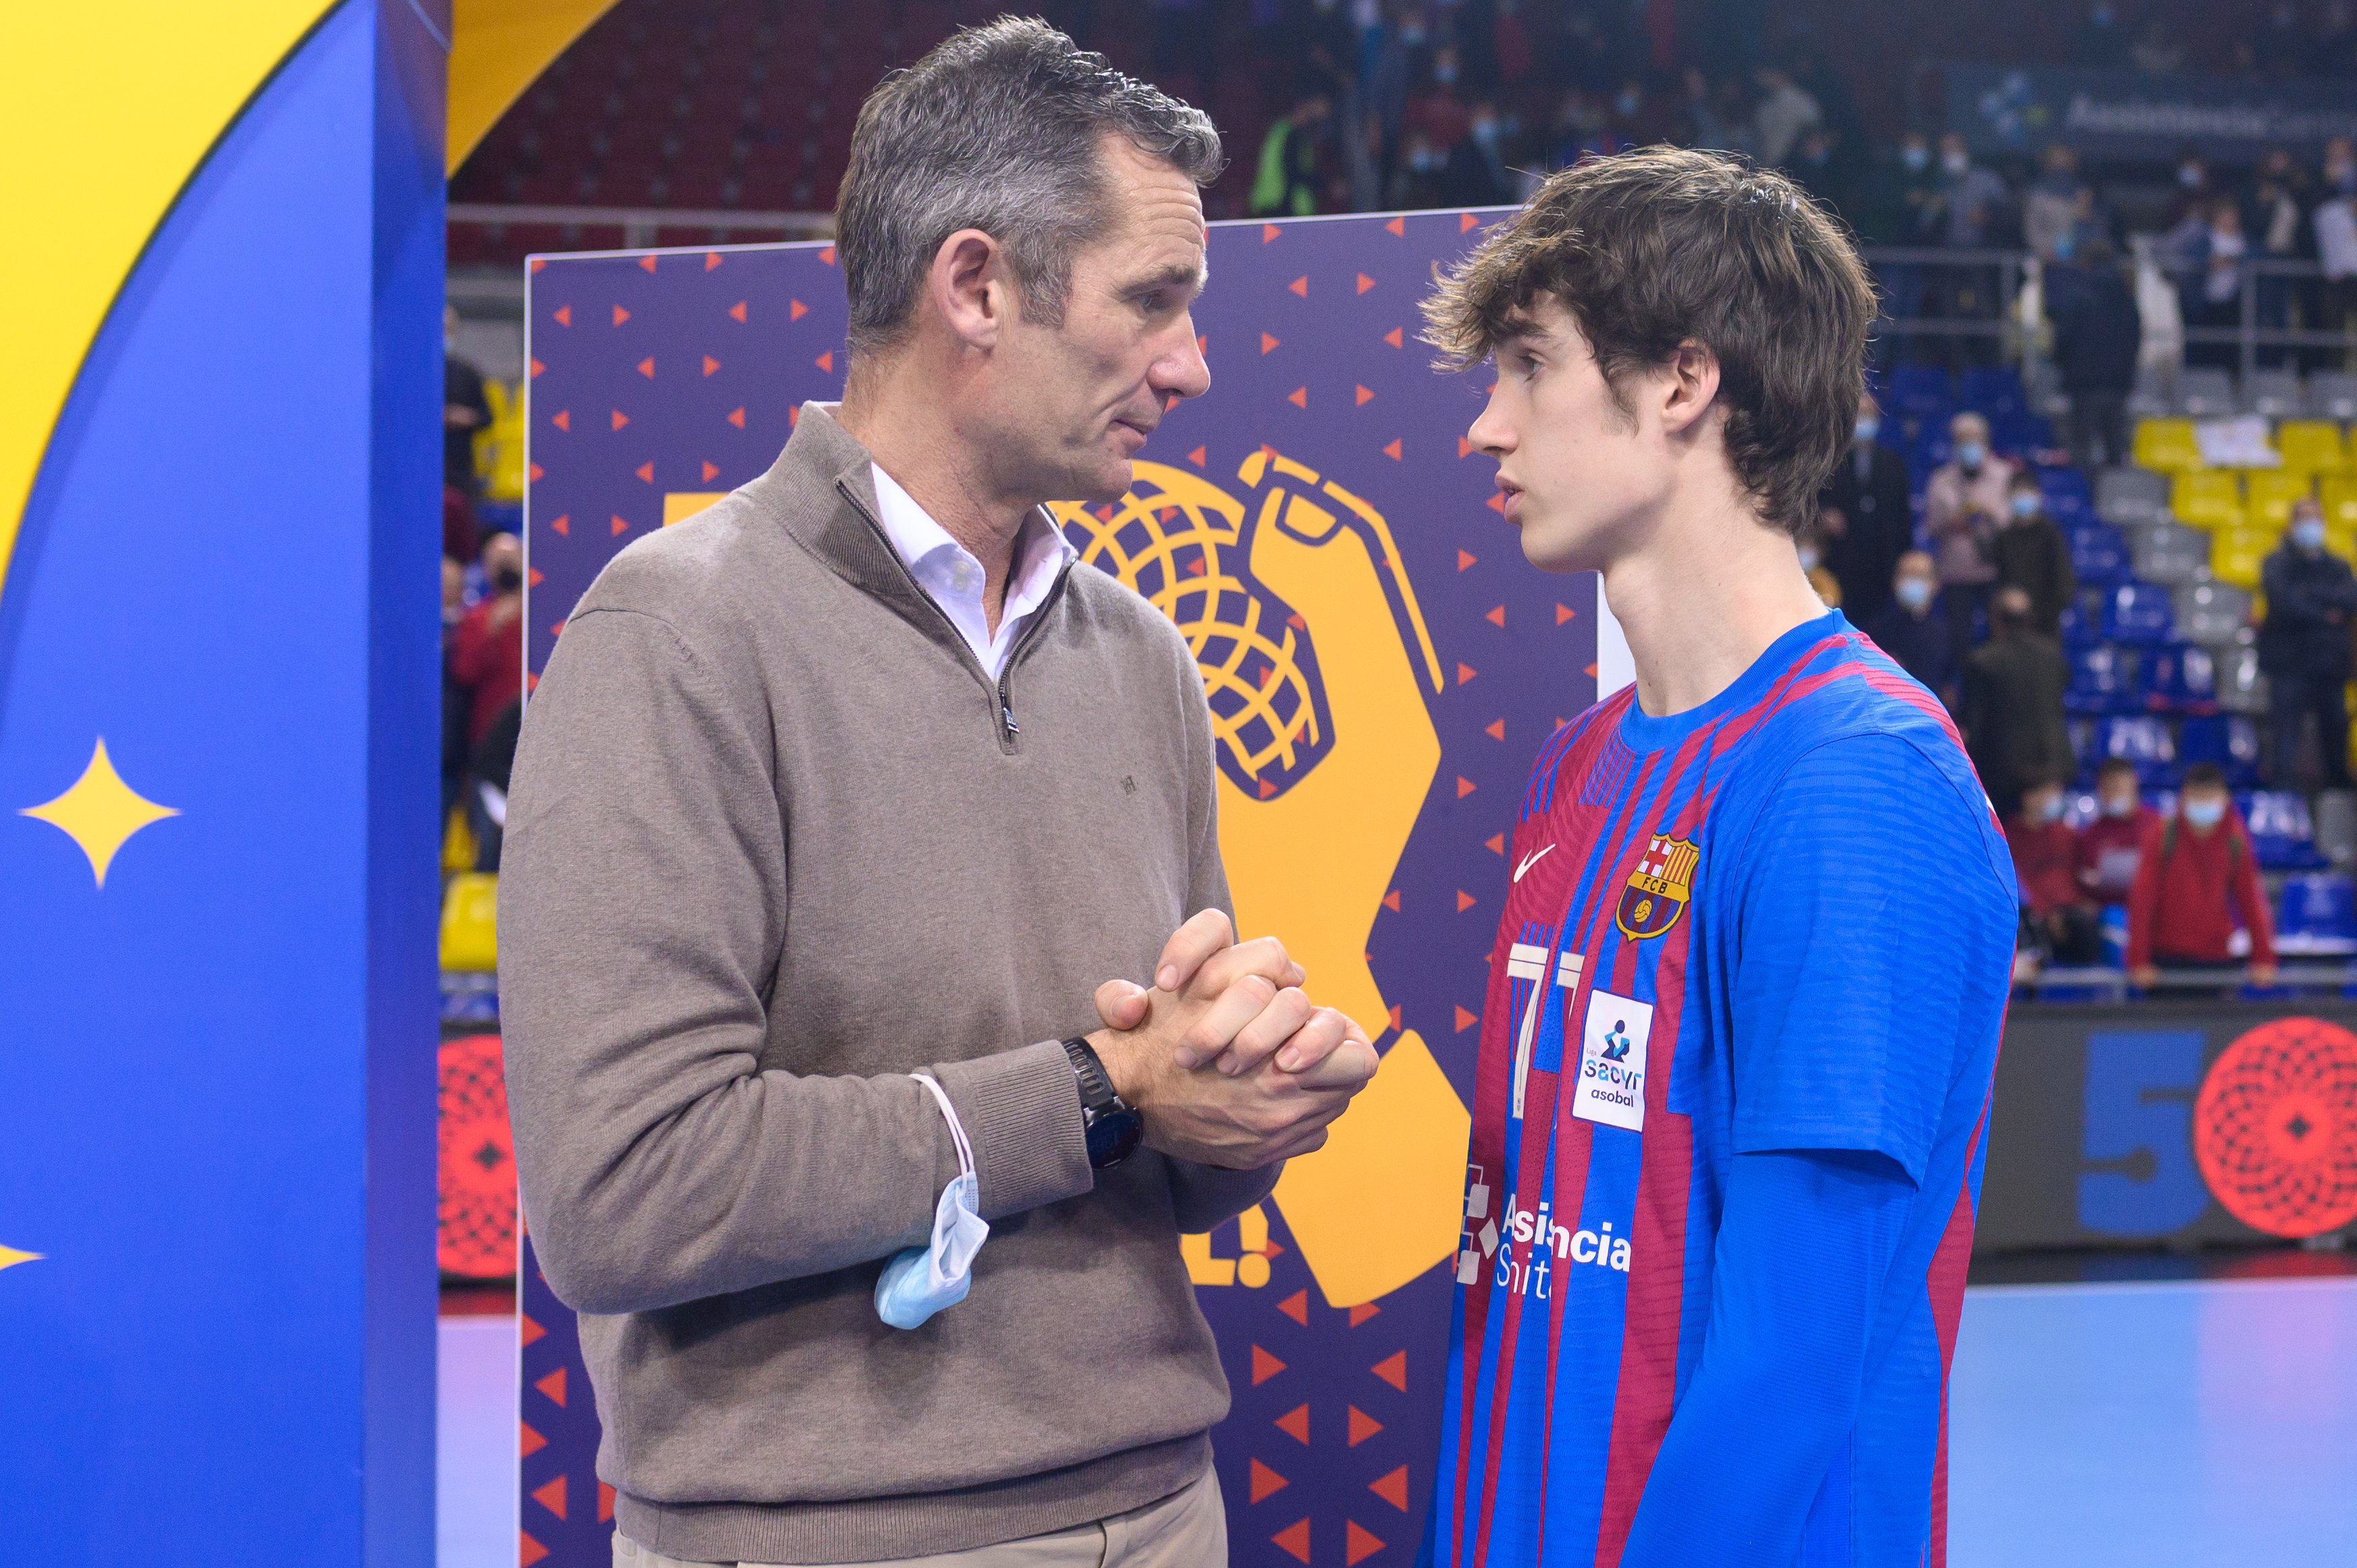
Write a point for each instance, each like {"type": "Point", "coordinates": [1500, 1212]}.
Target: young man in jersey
{"type": "Point", "coordinates": [1744, 1006]}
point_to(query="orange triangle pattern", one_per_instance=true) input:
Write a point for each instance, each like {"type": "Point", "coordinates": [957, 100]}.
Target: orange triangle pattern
{"type": "Point", "coordinates": [645, 471]}
{"type": "Point", "coordinates": [564, 315]}
{"type": "Point", "coordinates": [619, 419]}
{"type": "Point", "coordinates": [1391, 901]}
{"type": "Point", "coordinates": [1265, 1366]}
{"type": "Point", "coordinates": [710, 364]}
{"type": "Point", "coordinates": [1392, 1489]}
{"type": "Point", "coordinates": [1296, 1307]}
{"type": "Point", "coordinates": [1362, 1426]}
{"type": "Point", "coordinates": [529, 1550]}
{"type": "Point", "coordinates": [1465, 672]}
{"type": "Point", "coordinates": [1393, 338]}
{"type": "Point", "coordinates": [552, 1386]}
{"type": "Point", "coordinates": [1269, 232]}
{"type": "Point", "coordinates": [710, 470]}
{"type": "Point", "coordinates": [1365, 1309]}
{"type": "Point", "coordinates": [1464, 786]}
{"type": "Point", "coordinates": [1300, 286]}
{"type": "Point", "coordinates": [1391, 448]}
{"type": "Point", "coordinates": [1496, 617]}
{"type": "Point", "coordinates": [1564, 613]}
{"type": "Point", "coordinates": [1299, 397]}
{"type": "Point", "coordinates": [711, 259]}
{"type": "Point", "coordinates": [1267, 342]}
{"type": "Point", "coordinates": [738, 310]}
{"type": "Point", "coordinates": [1365, 283]}
{"type": "Point", "coordinates": [826, 257]}
{"type": "Point", "coordinates": [528, 1442]}
{"type": "Point", "coordinates": [1495, 843]}
{"type": "Point", "coordinates": [1397, 227]}
{"type": "Point", "coordinates": [1358, 1544]}
{"type": "Point", "coordinates": [796, 310]}
{"type": "Point", "coordinates": [1198, 455]}
{"type": "Point", "coordinates": [1294, 1540]}
{"type": "Point", "coordinates": [620, 316]}
{"type": "Point", "coordinates": [1465, 900]}
{"type": "Point", "coordinates": [1466, 1020]}
{"type": "Point", "coordinates": [1392, 1369]}
{"type": "Point", "coordinates": [1363, 395]}
{"type": "Point", "coordinates": [1495, 729]}
{"type": "Point", "coordinates": [646, 264]}
{"type": "Point", "coordinates": [1465, 558]}
{"type": "Point", "coordinates": [526, 1329]}
{"type": "Point", "coordinates": [1266, 1482]}
{"type": "Point", "coordinates": [551, 1496]}
{"type": "Point", "coordinates": [605, 1502]}
{"type": "Point", "coordinates": [1294, 1423]}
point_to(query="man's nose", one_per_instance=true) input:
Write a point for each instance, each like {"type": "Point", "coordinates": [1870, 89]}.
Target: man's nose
{"type": "Point", "coordinates": [1490, 432]}
{"type": "Point", "coordinates": [1181, 370]}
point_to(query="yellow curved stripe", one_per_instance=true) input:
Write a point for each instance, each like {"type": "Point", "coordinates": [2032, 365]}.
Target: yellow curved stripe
{"type": "Point", "coordinates": [105, 110]}
{"type": "Point", "coordinates": [497, 48]}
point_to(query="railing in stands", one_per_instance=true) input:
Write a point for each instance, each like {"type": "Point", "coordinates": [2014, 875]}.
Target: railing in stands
{"type": "Point", "coordinates": [639, 228]}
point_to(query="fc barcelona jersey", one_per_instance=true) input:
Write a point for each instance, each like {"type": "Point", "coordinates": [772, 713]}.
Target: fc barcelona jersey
{"type": "Point", "coordinates": [1782, 920]}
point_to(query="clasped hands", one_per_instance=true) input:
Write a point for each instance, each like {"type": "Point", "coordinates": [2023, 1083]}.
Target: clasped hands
{"type": "Point", "coordinates": [1226, 1058]}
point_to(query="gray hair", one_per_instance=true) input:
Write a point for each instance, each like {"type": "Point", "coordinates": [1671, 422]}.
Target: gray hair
{"type": "Point", "coordinates": [996, 129]}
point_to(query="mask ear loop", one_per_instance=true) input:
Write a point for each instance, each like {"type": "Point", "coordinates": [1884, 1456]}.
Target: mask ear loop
{"type": "Point", "coordinates": [957, 1129]}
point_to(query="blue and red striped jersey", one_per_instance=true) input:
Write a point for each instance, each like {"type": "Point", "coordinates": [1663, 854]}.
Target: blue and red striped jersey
{"type": "Point", "coordinates": [1782, 920]}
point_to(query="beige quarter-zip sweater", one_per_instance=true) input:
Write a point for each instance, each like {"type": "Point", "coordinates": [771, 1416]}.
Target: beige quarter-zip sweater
{"type": "Point", "coordinates": [775, 840]}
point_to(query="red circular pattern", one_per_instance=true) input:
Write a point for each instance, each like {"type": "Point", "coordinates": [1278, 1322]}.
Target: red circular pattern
{"type": "Point", "coordinates": [2275, 1127]}
{"type": "Point", "coordinates": [478, 1177]}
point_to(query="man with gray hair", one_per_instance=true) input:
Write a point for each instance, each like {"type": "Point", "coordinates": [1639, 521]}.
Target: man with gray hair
{"type": "Point", "coordinates": [835, 807]}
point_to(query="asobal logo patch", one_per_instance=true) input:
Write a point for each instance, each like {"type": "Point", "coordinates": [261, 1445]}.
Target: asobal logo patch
{"type": "Point", "coordinates": [1612, 1061]}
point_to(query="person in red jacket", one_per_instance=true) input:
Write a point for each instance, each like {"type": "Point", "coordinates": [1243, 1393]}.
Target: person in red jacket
{"type": "Point", "coordinates": [2192, 865]}
{"type": "Point", "coordinates": [2046, 859]}
{"type": "Point", "coordinates": [486, 646]}
{"type": "Point", "coordinates": [2109, 847]}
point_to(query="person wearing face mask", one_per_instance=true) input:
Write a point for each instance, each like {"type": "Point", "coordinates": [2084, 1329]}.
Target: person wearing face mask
{"type": "Point", "coordinates": [1972, 197]}
{"type": "Point", "coordinates": [2109, 847]}
{"type": "Point", "coordinates": [2194, 874]}
{"type": "Point", "coordinates": [486, 654]}
{"type": "Point", "coordinates": [2098, 335]}
{"type": "Point", "coordinates": [2304, 646]}
{"type": "Point", "coordinates": [2211, 295]}
{"type": "Point", "coordinates": [1863, 516]}
{"type": "Point", "coordinates": [2045, 858]}
{"type": "Point", "coordinates": [2031, 553]}
{"type": "Point", "coordinates": [1906, 628]}
{"type": "Point", "coordinates": [1963, 501]}
{"type": "Point", "coordinates": [1475, 175]}
{"type": "Point", "coordinates": [2011, 711]}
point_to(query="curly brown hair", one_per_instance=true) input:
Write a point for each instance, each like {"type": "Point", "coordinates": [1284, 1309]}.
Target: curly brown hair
{"type": "Point", "coordinates": [1651, 249]}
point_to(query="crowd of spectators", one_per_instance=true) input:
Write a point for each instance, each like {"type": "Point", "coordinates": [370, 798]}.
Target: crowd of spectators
{"type": "Point", "coordinates": [482, 606]}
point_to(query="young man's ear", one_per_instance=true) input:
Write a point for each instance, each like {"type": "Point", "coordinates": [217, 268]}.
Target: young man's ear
{"type": "Point", "coordinates": [1689, 387]}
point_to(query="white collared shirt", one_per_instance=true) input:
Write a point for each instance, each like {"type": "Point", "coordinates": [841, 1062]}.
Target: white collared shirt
{"type": "Point", "coordinates": [953, 577]}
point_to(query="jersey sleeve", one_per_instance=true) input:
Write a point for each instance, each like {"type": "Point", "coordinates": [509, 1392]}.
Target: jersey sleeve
{"type": "Point", "coordinates": [1871, 898]}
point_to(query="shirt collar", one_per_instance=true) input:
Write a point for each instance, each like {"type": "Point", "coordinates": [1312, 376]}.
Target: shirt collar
{"type": "Point", "coordinates": [1041, 551]}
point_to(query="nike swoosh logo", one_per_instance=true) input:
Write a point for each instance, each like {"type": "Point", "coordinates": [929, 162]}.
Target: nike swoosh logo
{"type": "Point", "coordinates": [1533, 860]}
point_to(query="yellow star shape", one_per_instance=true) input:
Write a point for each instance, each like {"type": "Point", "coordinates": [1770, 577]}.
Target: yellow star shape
{"type": "Point", "coordinates": [10, 1257]}
{"type": "Point", "coordinates": [100, 812]}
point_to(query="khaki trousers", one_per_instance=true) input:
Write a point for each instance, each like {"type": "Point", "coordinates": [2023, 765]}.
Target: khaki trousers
{"type": "Point", "coordinates": [1187, 1529]}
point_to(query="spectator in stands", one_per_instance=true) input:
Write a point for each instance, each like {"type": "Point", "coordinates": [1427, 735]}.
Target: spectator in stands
{"type": "Point", "coordinates": [1906, 628]}
{"type": "Point", "coordinates": [1973, 197]}
{"type": "Point", "coordinates": [1963, 502]}
{"type": "Point", "coordinates": [2304, 646]}
{"type": "Point", "coordinates": [2011, 712]}
{"type": "Point", "coordinates": [487, 650]}
{"type": "Point", "coordinates": [2032, 555]}
{"type": "Point", "coordinates": [1286, 182]}
{"type": "Point", "coordinates": [2334, 225]}
{"type": "Point", "coordinates": [2211, 245]}
{"type": "Point", "coordinates": [2195, 872]}
{"type": "Point", "coordinates": [2109, 847]}
{"type": "Point", "coordinates": [464, 410]}
{"type": "Point", "coordinates": [2045, 860]}
{"type": "Point", "coordinates": [1475, 174]}
{"type": "Point", "coordinates": [2097, 337]}
{"type": "Point", "coordinates": [2058, 203]}
{"type": "Point", "coordinates": [2272, 212]}
{"type": "Point", "coordinates": [1786, 109]}
{"type": "Point", "coordinates": [1863, 516]}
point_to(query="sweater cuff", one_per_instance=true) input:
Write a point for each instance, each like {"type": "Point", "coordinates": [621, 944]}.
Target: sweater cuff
{"type": "Point", "coordinates": [1021, 1111]}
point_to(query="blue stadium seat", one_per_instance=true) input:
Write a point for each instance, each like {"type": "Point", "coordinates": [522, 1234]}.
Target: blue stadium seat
{"type": "Point", "coordinates": [1921, 390]}
{"type": "Point", "coordinates": [2318, 915]}
{"type": "Point", "coordinates": [1992, 390]}
{"type": "Point", "coordinates": [2182, 677]}
{"type": "Point", "coordinates": [2229, 740]}
{"type": "Point", "coordinates": [2139, 612]}
{"type": "Point", "coordinates": [2098, 553]}
{"type": "Point", "coordinates": [2064, 481]}
{"type": "Point", "coordinates": [2104, 680]}
{"type": "Point", "coordinates": [2282, 836]}
{"type": "Point", "coordinates": [2077, 630]}
{"type": "Point", "coordinates": [2144, 742]}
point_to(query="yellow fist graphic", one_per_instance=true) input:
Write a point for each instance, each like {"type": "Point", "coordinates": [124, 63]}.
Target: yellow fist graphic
{"type": "Point", "coordinates": [1315, 657]}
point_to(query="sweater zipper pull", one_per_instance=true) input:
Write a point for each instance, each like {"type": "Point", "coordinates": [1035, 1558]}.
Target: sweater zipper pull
{"type": "Point", "coordinates": [1007, 718]}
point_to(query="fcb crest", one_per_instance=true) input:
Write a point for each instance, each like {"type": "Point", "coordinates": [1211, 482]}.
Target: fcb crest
{"type": "Point", "coordinates": [1658, 889]}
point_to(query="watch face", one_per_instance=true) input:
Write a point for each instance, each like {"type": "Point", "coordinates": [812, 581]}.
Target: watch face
{"type": "Point", "coordinates": [1113, 1136]}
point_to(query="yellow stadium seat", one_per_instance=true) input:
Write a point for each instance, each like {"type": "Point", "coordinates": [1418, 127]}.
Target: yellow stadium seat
{"type": "Point", "coordinates": [2272, 493]}
{"type": "Point", "coordinates": [2207, 498]}
{"type": "Point", "coordinates": [458, 844]}
{"type": "Point", "coordinates": [498, 446]}
{"type": "Point", "coordinates": [2236, 554]}
{"type": "Point", "coordinates": [470, 908]}
{"type": "Point", "coordinates": [2312, 446]}
{"type": "Point", "coordinates": [2166, 445]}
{"type": "Point", "coordinates": [2338, 493]}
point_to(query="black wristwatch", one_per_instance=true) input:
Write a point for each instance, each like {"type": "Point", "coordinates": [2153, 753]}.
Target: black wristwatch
{"type": "Point", "coordinates": [1112, 1123]}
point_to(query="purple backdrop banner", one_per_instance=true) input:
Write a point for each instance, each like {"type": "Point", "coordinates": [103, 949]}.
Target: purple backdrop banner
{"type": "Point", "coordinates": [1381, 667]}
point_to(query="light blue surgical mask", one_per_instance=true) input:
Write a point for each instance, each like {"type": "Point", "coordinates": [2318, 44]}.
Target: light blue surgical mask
{"type": "Point", "coordinates": [920, 1281]}
{"type": "Point", "coordinates": [1971, 453]}
{"type": "Point", "coordinates": [1868, 427]}
{"type": "Point", "coordinates": [1915, 157]}
{"type": "Point", "coordinates": [2026, 503]}
{"type": "Point", "coordinates": [2049, 810]}
{"type": "Point", "coordinates": [1914, 592]}
{"type": "Point", "coordinates": [2307, 533]}
{"type": "Point", "coordinates": [2203, 814]}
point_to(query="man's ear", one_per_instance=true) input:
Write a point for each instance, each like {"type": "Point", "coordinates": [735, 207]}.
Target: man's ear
{"type": "Point", "coordinates": [968, 286]}
{"type": "Point", "coordinates": [1689, 389]}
